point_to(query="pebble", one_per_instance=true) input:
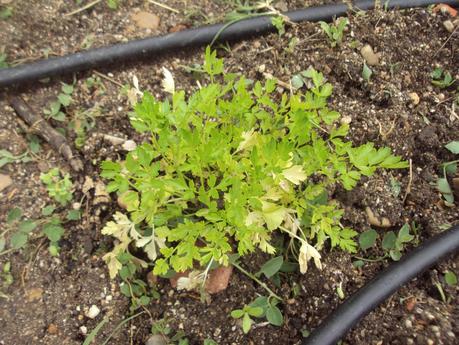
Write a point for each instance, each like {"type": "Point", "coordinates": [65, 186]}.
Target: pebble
{"type": "Point", "coordinates": [93, 312]}
{"type": "Point", "coordinates": [52, 329]}
{"type": "Point", "coordinates": [414, 98]}
{"type": "Point", "coordinates": [146, 20]}
{"type": "Point", "coordinates": [5, 181]}
{"type": "Point", "coordinates": [34, 294]}
{"type": "Point", "coordinates": [448, 25]}
{"type": "Point", "coordinates": [156, 339]}
{"type": "Point", "coordinates": [129, 145]}
{"type": "Point", "coordinates": [408, 323]}
{"type": "Point", "coordinates": [371, 58]}
{"type": "Point", "coordinates": [84, 330]}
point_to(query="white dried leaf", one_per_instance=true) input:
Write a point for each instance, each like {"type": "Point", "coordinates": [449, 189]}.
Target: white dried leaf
{"type": "Point", "coordinates": [191, 282]}
{"type": "Point", "coordinates": [168, 83]}
{"type": "Point", "coordinates": [308, 252]}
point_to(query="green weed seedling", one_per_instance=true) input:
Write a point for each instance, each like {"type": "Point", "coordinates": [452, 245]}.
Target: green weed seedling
{"type": "Point", "coordinates": [449, 168]}
{"type": "Point", "coordinates": [5, 12]}
{"type": "Point", "coordinates": [84, 121]}
{"type": "Point", "coordinates": [231, 165]}
{"type": "Point", "coordinates": [335, 31]}
{"type": "Point", "coordinates": [51, 227]}
{"type": "Point", "coordinates": [441, 78]}
{"type": "Point", "coordinates": [59, 188]}
{"type": "Point", "coordinates": [161, 327]}
{"type": "Point", "coordinates": [392, 244]}
{"type": "Point", "coordinates": [279, 24]}
{"type": "Point", "coordinates": [6, 279]}
{"type": "Point", "coordinates": [246, 313]}
{"type": "Point", "coordinates": [57, 107]}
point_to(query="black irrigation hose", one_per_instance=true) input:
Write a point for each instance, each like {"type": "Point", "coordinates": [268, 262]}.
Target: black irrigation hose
{"type": "Point", "coordinates": [183, 39]}
{"type": "Point", "coordinates": [341, 320]}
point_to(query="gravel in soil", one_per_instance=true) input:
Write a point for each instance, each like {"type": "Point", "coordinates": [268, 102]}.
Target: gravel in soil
{"type": "Point", "coordinates": [50, 298]}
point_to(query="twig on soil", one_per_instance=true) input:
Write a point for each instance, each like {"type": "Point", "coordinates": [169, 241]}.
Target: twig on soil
{"type": "Point", "coordinates": [81, 9]}
{"type": "Point", "coordinates": [410, 181]}
{"type": "Point", "coordinates": [163, 6]}
{"type": "Point", "coordinates": [41, 127]}
{"type": "Point", "coordinates": [106, 77]}
{"type": "Point", "coordinates": [446, 42]}
{"type": "Point", "coordinates": [26, 270]}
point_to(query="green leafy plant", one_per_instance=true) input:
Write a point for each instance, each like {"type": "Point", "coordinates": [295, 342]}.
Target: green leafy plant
{"type": "Point", "coordinates": [113, 4]}
{"type": "Point", "coordinates": [335, 31]}
{"type": "Point", "coordinates": [3, 63]}
{"type": "Point", "coordinates": [441, 78]}
{"type": "Point", "coordinates": [6, 279]}
{"type": "Point", "coordinates": [51, 227]}
{"type": "Point", "coordinates": [162, 328]}
{"type": "Point", "coordinates": [57, 107]}
{"type": "Point", "coordinates": [5, 12]}
{"type": "Point", "coordinates": [59, 188]}
{"type": "Point", "coordinates": [450, 278]}
{"type": "Point", "coordinates": [279, 24]}
{"type": "Point", "coordinates": [84, 121]}
{"type": "Point", "coordinates": [233, 164]}
{"type": "Point", "coordinates": [366, 72]}
{"type": "Point", "coordinates": [246, 313]}
{"type": "Point", "coordinates": [392, 244]}
{"type": "Point", "coordinates": [7, 157]}
{"type": "Point", "coordinates": [449, 168]}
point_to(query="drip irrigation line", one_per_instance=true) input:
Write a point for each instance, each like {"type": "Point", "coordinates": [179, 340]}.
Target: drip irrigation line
{"type": "Point", "coordinates": [341, 320]}
{"type": "Point", "coordinates": [154, 46]}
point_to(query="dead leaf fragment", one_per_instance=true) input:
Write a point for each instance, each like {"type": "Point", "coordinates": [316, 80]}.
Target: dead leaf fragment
{"type": "Point", "coordinates": [52, 329]}
{"type": "Point", "coordinates": [146, 20]}
{"type": "Point", "coordinates": [414, 98]}
{"type": "Point", "coordinates": [371, 58]}
{"type": "Point", "coordinates": [374, 219]}
{"type": "Point", "coordinates": [444, 8]}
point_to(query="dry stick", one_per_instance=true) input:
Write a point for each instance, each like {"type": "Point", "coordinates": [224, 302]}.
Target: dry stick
{"type": "Point", "coordinates": [81, 9]}
{"type": "Point", "coordinates": [43, 128]}
{"type": "Point", "coordinates": [446, 42]}
{"type": "Point", "coordinates": [106, 77]}
{"type": "Point", "coordinates": [410, 181]}
{"type": "Point", "coordinates": [163, 6]}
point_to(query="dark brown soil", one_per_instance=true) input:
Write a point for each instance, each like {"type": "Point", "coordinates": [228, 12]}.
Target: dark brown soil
{"type": "Point", "coordinates": [57, 291]}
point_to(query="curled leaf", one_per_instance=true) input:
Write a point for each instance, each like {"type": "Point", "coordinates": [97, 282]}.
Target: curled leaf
{"type": "Point", "coordinates": [168, 83]}
{"type": "Point", "coordinates": [308, 252]}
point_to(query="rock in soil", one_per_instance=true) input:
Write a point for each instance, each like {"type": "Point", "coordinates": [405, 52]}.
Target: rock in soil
{"type": "Point", "coordinates": [156, 339]}
{"type": "Point", "coordinates": [146, 20]}
{"type": "Point", "coordinates": [93, 312]}
{"type": "Point", "coordinates": [5, 181]}
{"type": "Point", "coordinates": [371, 58]}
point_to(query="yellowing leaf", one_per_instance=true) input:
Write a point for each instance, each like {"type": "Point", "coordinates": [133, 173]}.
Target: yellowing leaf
{"type": "Point", "coordinates": [273, 214]}
{"type": "Point", "coordinates": [249, 140]}
{"type": "Point", "coordinates": [306, 253]}
{"type": "Point", "coordinates": [112, 261]}
{"type": "Point", "coordinates": [295, 174]}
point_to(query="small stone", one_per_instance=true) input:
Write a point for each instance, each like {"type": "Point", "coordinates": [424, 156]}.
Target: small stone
{"type": "Point", "coordinates": [218, 279]}
{"type": "Point", "coordinates": [262, 68]}
{"type": "Point", "coordinates": [430, 342]}
{"type": "Point", "coordinates": [100, 193]}
{"type": "Point", "coordinates": [281, 6]}
{"type": "Point", "coordinates": [408, 323]}
{"type": "Point", "coordinates": [52, 329]}
{"type": "Point", "coordinates": [84, 330]}
{"type": "Point", "coordinates": [157, 339]}
{"type": "Point", "coordinates": [371, 58]}
{"type": "Point", "coordinates": [448, 25]}
{"type": "Point", "coordinates": [146, 20]}
{"type": "Point", "coordinates": [414, 98]}
{"type": "Point", "coordinates": [92, 312]}
{"type": "Point", "coordinates": [129, 145]}
{"type": "Point", "coordinates": [34, 294]}
{"type": "Point", "coordinates": [346, 120]}
{"type": "Point", "coordinates": [5, 181]}
{"type": "Point", "coordinates": [410, 304]}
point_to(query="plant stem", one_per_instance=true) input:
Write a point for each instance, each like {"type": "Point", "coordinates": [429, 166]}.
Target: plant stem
{"type": "Point", "coordinates": [381, 258]}
{"type": "Point", "coordinates": [250, 275]}
{"type": "Point", "coordinates": [81, 9]}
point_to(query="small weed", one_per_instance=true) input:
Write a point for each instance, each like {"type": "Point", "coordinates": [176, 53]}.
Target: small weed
{"type": "Point", "coordinates": [292, 44]}
{"type": "Point", "coordinates": [246, 313]}
{"type": "Point", "coordinates": [392, 244]}
{"type": "Point", "coordinates": [449, 168]}
{"type": "Point", "coordinates": [60, 189]}
{"type": "Point", "coordinates": [5, 12]}
{"type": "Point", "coordinates": [366, 72]}
{"type": "Point", "coordinates": [162, 328]}
{"type": "Point", "coordinates": [6, 278]}
{"type": "Point", "coordinates": [450, 278]}
{"type": "Point", "coordinates": [113, 4]}
{"type": "Point", "coordinates": [279, 24]}
{"type": "Point", "coordinates": [3, 63]}
{"type": "Point", "coordinates": [7, 157]}
{"type": "Point", "coordinates": [57, 107]}
{"type": "Point", "coordinates": [335, 31]}
{"type": "Point", "coordinates": [51, 227]}
{"type": "Point", "coordinates": [83, 122]}
{"type": "Point", "coordinates": [441, 78]}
